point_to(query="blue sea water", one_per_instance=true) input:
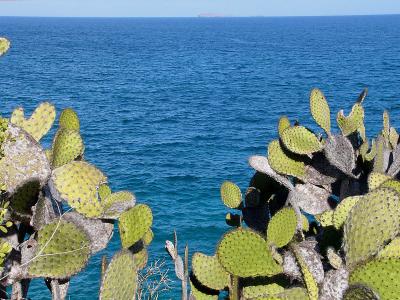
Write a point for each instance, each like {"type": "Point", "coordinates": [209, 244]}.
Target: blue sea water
{"type": "Point", "coordinates": [170, 108]}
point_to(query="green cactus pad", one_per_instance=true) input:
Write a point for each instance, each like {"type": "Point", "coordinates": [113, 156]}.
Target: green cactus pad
{"type": "Point", "coordinates": [141, 258]}
{"type": "Point", "coordinates": [256, 291]}
{"type": "Point", "coordinates": [375, 180]}
{"type": "Point", "coordinates": [353, 122]}
{"type": "Point", "coordinates": [391, 250]}
{"type": "Point", "coordinates": [305, 224]}
{"type": "Point", "coordinates": [63, 250]}
{"type": "Point", "coordinates": [5, 249]}
{"type": "Point", "coordinates": [104, 191]}
{"type": "Point", "coordinates": [23, 160]}
{"type": "Point", "coordinates": [343, 209]}
{"type": "Point", "coordinates": [200, 295]}
{"type": "Point", "coordinates": [148, 237]}
{"type": "Point", "coordinates": [296, 293]}
{"type": "Point", "coordinates": [117, 203]}
{"type": "Point", "coordinates": [320, 110]}
{"type": "Point", "coordinates": [282, 163]}
{"type": "Point", "coordinates": [261, 164]}
{"type": "Point", "coordinates": [393, 137]}
{"type": "Point", "coordinates": [24, 198]}
{"type": "Point", "coordinates": [283, 124]}
{"type": "Point", "coordinates": [360, 292]}
{"type": "Point", "coordinates": [381, 275]}
{"type": "Point", "coordinates": [394, 184]}
{"type": "Point", "coordinates": [67, 146]}
{"type": "Point", "coordinates": [120, 280]}
{"type": "Point", "coordinates": [209, 272]}
{"type": "Point", "coordinates": [69, 119]}
{"type": "Point", "coordinates": [4, 45]}
{"type": "Point", "coordinates": [300, 140]}
{"type": "Point", "coordinates": [77, 184]}
{"type": "Point", "coordinates": [282, 227]}
{"type": "Point", "coordinates": [231, 195]}
{"type": "Point", "coordinates": [372, 152]}
{"type": "Point", "coordinates": [311, 283]}
{"type": "Point", "coordinates": [39, 123]}
{"type": "Point", "coordinates": [334, 259]}
{"type": "Point", "coordinates": [379, 160]}
{"type": "Point", "coordinates": [245, 253]}
{"type": "Point", "coordinates": [134, 223]}
{"type": "Point", "coordinates": [372, 222]}
{"type": "Point", "coordinates": [326, 218]}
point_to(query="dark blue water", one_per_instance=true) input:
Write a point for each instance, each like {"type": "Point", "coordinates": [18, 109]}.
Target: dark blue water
{"type": "Point", "coordinates": [172, 107]}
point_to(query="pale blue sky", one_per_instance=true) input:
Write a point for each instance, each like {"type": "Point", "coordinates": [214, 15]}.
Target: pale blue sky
{"type": "Point", "coordinates": [176, 8]}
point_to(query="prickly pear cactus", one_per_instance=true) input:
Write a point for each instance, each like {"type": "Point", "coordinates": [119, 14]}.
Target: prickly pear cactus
{"type": "Point", "coordinates": [62, 251]}
{"type": "Point", "coordinates": [120, 279]}
{"type": "Point", "coordinates": [39, 123]}
{"type": "Point", "coordinates": [76, 183]}
{"type": "Point", "coordinates": [134, 223]}
{"type": "Point", "coordinates": [245, 253]}
{"type": "Point", "coordinates": [209, 272]}
{"type": "Point", "coordinates": [43, 237]}
{"type": "Point", "coordinates": [321, 215]}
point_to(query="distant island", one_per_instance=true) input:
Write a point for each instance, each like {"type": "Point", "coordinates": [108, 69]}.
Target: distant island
{"type": "Point", "coordinates": [211, 15]}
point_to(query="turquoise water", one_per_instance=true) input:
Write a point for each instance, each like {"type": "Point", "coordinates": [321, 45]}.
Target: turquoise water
{"type": "Point", "coordinates": [172, 107]}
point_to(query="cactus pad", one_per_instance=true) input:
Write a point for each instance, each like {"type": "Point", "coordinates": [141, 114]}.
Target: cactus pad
{"type": "Point", "coordinates": [148, 237]}
{"type": "Point", "coordinates": [67, 146]}
{"type": "Point", "coordinates": [300, 140]}
{"type": "Point", "coordinates": [62, 251]}
{"type": "Point", "coordinates": [39, 123]}
{"type": "Point", "coordinates": [334, 285]}
{"type": "Point", "coordinates": [282, 227]}
{"type": "Point", "coordinates": [141, 258]}
{"type": "Point", "coordinates": [120, 279]}
{"type": "Point", "coordinates": [381, 275]}
{"type": "Point", "coordinates": [134, 223]}
{"type": "Point", "coordinates": [282, 163]}
{"type": "Point", "coordinates": [4, 45]}
{"type": "Point", "coordinates": [311, 283]}
{"type": "Point", "coordinates": [256, 291]}
{"type": "Point", "coordinates": [391, 250]}
{"type": "Point", "coordinates": [69, 119]}
{"type": "Point", "coordinates": [296, 293]}
{"type": "Point", "coordinates": [310, 198]}
{"type": "Point", "coordinates": [103, 191]}
{"type": "Point", "coordinates": [343, 209]}
{"type": "Point", "coordinates": [231, 194]}
{"type": "Point", "coordinates": [326, 218]}
{"type": "Point", "coordinates": [283, 124]}
{"type": "Point", "coordinates": [77, 184]}
{"type": "Point", "coordinates": [116, 203]}
{"type": "Point", "coordinates": [363, 237]}
{"type": "Point", "coordinates": [261, 164]}
{"type": "Point", "coordinates": [340, 153]}
{"type": "Point", "coordinates": [209, 272]}
{"type": "Point", "coordinates": [23, 160]}
{"type": "Point", "coordinates": [360, 292]}
{"type": "Point", "coordinates": [353, 122]}
{"type": "Point", "coordinates": [196, 294]}
{"type": "Point", "coordinates": [245, 253]}
{"type": "Point", "coordinates": [375, 180]}
{"type": "Point", "coordinates": [320, 110]}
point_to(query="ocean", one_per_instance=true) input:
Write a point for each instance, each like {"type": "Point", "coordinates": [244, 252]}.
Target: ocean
{"type": "Point", "coordinates": [172, 107]}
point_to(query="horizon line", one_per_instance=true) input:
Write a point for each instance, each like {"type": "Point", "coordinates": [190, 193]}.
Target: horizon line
{"type": "Point", "coordinates": [200, 16]}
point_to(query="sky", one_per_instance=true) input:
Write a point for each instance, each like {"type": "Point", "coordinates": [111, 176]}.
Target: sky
{"type": "Point", "coordinates": [189, 8]}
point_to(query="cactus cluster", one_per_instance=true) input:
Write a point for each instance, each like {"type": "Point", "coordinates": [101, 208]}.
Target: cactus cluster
{"type": "Point", "coordinates": [319, 220]}
{"type": "Point", "coordinates": [57, 209]}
